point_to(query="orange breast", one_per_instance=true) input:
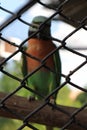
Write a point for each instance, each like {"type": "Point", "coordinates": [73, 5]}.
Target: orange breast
{"type": "Point", "coordinates": [39, 49]}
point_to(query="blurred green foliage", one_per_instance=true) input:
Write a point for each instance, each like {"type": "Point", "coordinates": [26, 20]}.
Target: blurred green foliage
{"type": "Point", "coordinates": [82, 98]}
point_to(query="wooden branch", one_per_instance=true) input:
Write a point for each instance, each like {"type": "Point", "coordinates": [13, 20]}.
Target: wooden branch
{"type": "Point", "coordinates": [74, 9]}
{"type": "Point", "coordinates": [45, 116]}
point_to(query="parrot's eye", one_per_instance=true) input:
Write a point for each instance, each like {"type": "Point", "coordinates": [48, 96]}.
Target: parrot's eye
{"type": "Point", "coordinates": [35, 25]}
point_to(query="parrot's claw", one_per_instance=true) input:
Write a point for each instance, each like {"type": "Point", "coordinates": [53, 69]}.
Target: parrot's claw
{"type": "Point", "coordinates": [31, 98]}
{"type": "Point", "coordinates": [52, 101]}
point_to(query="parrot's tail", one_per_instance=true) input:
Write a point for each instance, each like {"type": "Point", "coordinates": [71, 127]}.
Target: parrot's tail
{"type": "Point", "coordinates": [49, 128]}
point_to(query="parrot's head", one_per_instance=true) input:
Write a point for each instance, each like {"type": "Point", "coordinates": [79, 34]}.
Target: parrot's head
{"type": "Point", "coordinates": [44, 31]}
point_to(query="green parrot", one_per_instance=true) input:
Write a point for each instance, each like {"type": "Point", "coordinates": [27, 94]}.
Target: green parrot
{"type": "Point", "coordinates": [48, 77]}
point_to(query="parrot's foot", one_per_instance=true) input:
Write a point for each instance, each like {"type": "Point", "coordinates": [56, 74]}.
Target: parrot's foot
{"type": "Point", "coordinates": [31, 98]}
{"type": "Point", "coordinates": [52, 101]}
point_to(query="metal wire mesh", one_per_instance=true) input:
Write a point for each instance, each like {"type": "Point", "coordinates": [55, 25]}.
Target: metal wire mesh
{"type": "Point", "coordinates": [62, 45]}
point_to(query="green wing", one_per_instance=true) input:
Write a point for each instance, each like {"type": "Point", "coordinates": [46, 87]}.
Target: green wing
{"type": "Point", "coordinates": [25, 72]}
{"type": "Point", "coordinates": [24, 63]}
{"type": "Point", "coordinates": [57, 66]}
{"type": "Point", "coordinates": [57, 62]}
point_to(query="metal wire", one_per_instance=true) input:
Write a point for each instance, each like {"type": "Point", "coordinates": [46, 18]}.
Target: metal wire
{"type": "Point", "coordinates": [63, 46]}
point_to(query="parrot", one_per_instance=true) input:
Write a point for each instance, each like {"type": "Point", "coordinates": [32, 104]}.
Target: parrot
{"type": "Point", "coordinates": [39, 45]}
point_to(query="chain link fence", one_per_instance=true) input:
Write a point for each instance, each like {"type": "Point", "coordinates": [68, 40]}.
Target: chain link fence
{"type": "Point", "coordinates": [26, 118]}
